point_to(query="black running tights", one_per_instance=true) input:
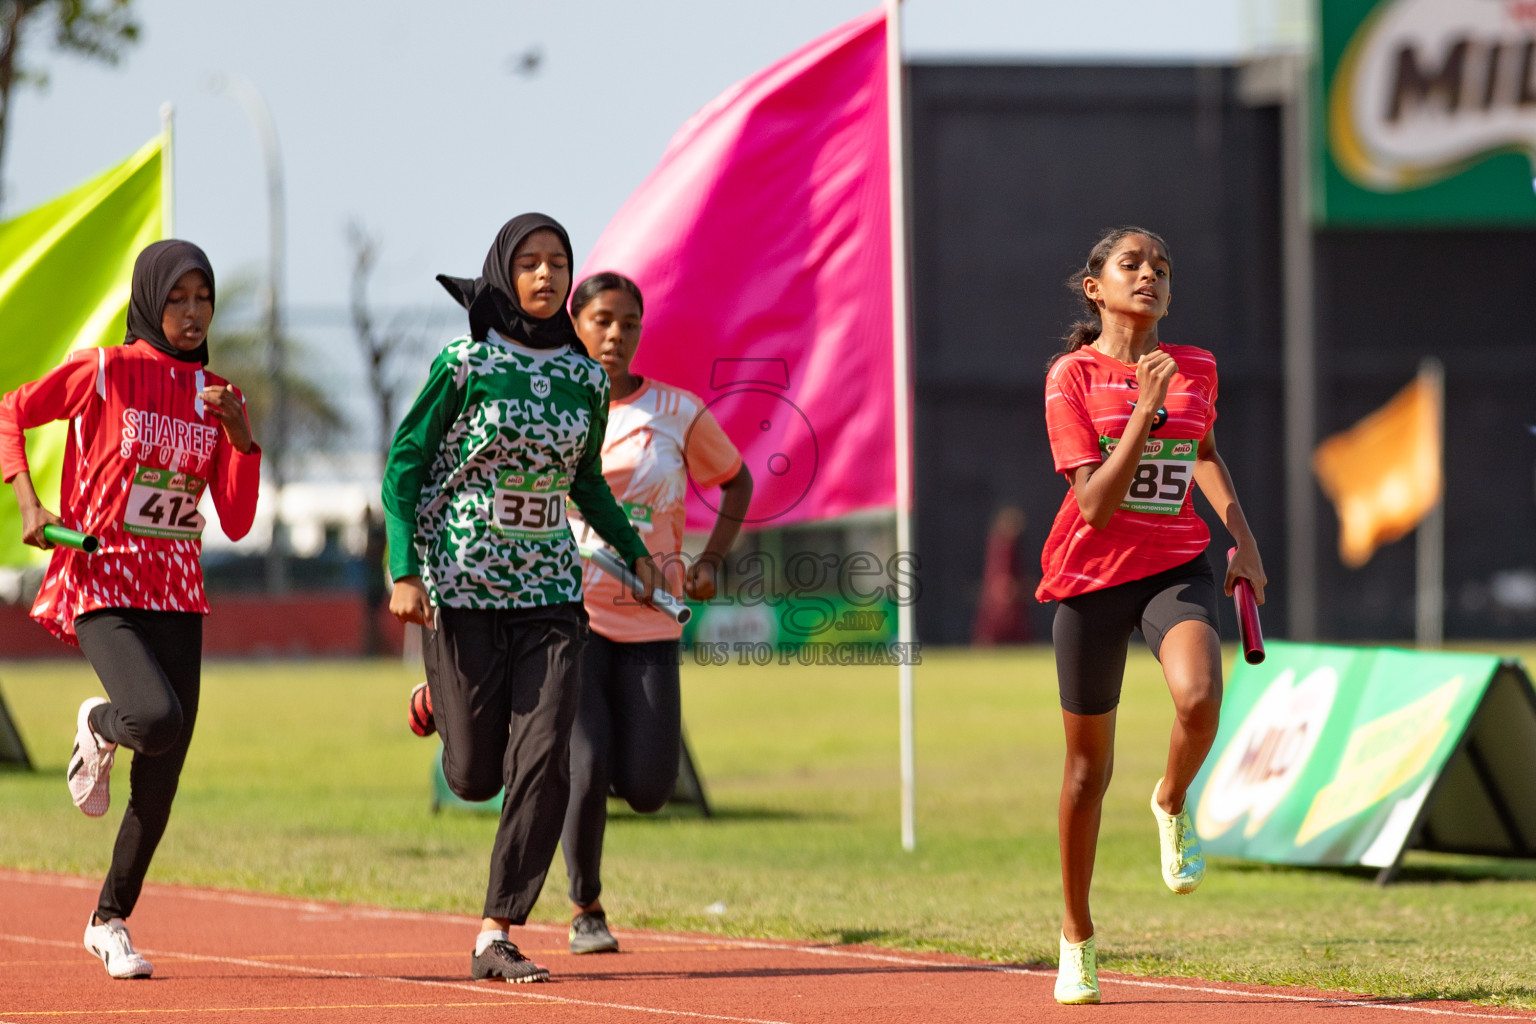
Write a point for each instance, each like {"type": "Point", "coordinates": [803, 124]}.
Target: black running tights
{"type": "Point", "coordinates": [627, 736]}
{"type": "Point", "coordinates": [151, 666]}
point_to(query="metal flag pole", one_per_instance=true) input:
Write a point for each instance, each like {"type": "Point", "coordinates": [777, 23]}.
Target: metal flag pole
{"type": "Point", "coordinates": [255, 105]}
{"type": "Point", "coordinates": [1430, 539]}
{"type": "Point", "coordinates": [901, 380]}
{"type": "Point", "coordinates": [167, 170]}
{"type": "Point", "coordinates": [1300, 355]}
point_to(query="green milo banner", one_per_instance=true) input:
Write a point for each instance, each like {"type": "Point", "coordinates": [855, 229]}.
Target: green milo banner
{"type": "Point", "coordinates": [1427, 112]}
{"type": "Point", "coordinates": [1348, 756]}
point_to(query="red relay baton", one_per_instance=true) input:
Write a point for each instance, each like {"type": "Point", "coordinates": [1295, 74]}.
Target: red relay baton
{"type": "Point", "coordinates": [1248, 628]}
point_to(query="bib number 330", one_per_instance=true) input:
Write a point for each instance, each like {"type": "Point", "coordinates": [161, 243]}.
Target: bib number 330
{"type": "Point", "coordinates": [531, 506]}
{"type": "Point", "coordinates": [1162, 475]}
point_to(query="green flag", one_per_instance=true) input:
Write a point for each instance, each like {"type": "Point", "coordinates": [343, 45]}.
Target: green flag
{"type": "Point", "coordinates": [65, 272]}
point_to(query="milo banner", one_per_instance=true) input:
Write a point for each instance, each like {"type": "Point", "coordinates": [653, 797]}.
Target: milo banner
{"type": "Point", "coordinates": [1428, 113]}
{"type": "Point", "coordinates": [1349, 756]}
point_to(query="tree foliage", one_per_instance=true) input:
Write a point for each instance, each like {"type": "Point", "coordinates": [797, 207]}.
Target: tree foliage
{"type": "Point", "coordinates": [99, 30]}
{"type": "Point", "coordinates": [383, 351]}
{"type": "Point", "coordinates": [239, 351]}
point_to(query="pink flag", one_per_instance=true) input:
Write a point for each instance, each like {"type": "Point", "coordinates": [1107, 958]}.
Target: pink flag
{"type": "Point", "coordinates": [762, 244]}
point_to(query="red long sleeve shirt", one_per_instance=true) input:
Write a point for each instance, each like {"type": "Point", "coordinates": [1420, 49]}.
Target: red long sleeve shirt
{"type": "Point", "coordinates": [142, 449]}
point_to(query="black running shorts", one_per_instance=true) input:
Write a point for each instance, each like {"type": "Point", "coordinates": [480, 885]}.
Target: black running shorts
{"type": "Point", "coordinates": [1091, 631]}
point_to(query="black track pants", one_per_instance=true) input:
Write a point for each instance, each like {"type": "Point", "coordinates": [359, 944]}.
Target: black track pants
{"type": "Point", "coordinates": [628, 733]}
{"type": "Point", "coordinates": [504, 685]}
{"type": "Point", "coordinates": [151, 666]}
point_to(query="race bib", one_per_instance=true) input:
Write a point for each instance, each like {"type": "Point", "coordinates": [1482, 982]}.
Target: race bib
{"type": "Point", "coordinates": [530, 506]}
{"type": "Point", "coordinates": [163, 503]}
{"type": "Point", "coordinates": [1162, 476]}
{"type": "Point", "coordinates": [641, 517]}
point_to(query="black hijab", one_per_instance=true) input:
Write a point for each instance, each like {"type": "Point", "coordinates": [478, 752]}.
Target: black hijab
{"type": "Point", "coordinates": [155, 273]}
{"type": "Point", "coordinates": [491, 298]}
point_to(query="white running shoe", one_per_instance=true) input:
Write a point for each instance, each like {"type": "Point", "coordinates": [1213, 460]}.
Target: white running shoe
{"type": "Point", "coordinates": [110, 943]}
{"type": "Point", "coordinates": [1182, 856]}
{"type": "Point", "coordinates": [90, 765]}
{"type": "Point", "coordinates": [1077, 976]}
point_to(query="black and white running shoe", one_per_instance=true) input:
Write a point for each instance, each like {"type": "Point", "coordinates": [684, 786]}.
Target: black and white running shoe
{"type": "Point", "coordinates": [111, 945]}
{"type": "Point", "coordinates": [590, 934]}
{"type": "Point", "coordinates": [90, 765]}
{"type": "Point", "coordinates": [502, 959]}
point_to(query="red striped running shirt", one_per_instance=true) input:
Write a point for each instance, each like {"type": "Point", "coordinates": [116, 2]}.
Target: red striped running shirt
{"type": "Point", "coordinates": [1088, 400]}
{"type": "Point", "coordinates": [142, 448]}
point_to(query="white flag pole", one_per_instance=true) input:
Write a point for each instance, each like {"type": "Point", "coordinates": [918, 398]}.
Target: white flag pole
{"type": "Point", "coordinates": [900, 348]}
{"type": "Point", "coordinates": [167, 170]}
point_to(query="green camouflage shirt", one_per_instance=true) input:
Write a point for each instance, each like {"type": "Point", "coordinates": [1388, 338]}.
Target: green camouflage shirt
{"type": "Point", "coordinates": [477, 476]}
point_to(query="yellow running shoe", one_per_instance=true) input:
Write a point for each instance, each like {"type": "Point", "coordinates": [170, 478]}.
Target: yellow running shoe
{"type": "Point", "coordinates": [1077, 979]}
{"type": "Point", "coordinates": [1183, 857]}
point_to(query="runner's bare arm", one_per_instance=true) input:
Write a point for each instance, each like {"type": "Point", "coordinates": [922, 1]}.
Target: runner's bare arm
{"type": "Point", "coordinates": [735, 500]}
{"type": "Point", "coordinates": [1216, 484]}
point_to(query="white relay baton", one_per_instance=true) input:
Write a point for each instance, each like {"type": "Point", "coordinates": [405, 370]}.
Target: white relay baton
{"type": "Point", "coordinates": [664, 602]}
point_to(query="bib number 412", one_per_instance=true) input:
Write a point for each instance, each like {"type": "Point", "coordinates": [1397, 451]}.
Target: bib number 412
{"type": "Point", "coordinates": [162, 503]}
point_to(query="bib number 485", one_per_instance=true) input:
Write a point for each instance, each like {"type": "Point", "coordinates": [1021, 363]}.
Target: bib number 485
{"type": "Point", "coordinates": [1165, 481]}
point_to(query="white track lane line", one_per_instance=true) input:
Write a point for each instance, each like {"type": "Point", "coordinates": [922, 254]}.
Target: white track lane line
{"type": "Point", "coordinates": [241, 899]}
{"type": "Point", "coordinates": [511, 991]}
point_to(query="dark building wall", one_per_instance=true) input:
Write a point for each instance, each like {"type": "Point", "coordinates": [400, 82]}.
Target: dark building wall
{"type": "Point", "coordinates": [1384, 301]}
{"type": "Point", "coordinates": [1015, 170]}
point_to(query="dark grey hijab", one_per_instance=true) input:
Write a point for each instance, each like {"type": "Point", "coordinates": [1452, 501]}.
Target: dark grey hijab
{"type": "Point", "coordinates": [491, 298]}
{"type": "Point", "coordinates": [155, 273]}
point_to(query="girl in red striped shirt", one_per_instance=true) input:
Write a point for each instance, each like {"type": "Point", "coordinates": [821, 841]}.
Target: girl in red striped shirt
{"type": "Point", "coordinates": [1131, 426]}
{"type": "Point", "coordinates": [150, 430]}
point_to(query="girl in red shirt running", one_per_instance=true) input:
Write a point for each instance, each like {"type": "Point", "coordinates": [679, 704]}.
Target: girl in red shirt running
{"type": "Point", "coordinates": [151, 429]}
{"type": "Point", "coordinates": [1131, 426]}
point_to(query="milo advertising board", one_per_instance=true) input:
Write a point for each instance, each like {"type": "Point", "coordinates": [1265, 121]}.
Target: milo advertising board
{"type": "Point", "coordinates": [1428, 113]}
{"type": "Point", "coordinates": [1349, 756]}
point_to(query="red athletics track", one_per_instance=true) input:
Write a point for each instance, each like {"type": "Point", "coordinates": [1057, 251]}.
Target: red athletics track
{"type": "Point", "coordinates": [251, 959]}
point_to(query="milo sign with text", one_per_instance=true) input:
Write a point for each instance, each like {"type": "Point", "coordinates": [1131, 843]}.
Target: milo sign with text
{"type": "Point", "coordinates": [1349, 756]}
{"type": "Point", "coordinates": [1429, 112]}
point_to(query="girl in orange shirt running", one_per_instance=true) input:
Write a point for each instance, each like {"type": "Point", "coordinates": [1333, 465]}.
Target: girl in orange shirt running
{"type": "Point", "coordinates": [629, 723]}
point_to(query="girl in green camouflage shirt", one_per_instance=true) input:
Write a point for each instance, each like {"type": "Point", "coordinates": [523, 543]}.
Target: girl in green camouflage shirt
{"type": "Point", "coordinates": [508, 426]}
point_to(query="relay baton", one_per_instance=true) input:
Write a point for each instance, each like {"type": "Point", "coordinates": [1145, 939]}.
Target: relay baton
{"type": "Point", "coordinates": [1247, 617]}
{"type": "Point", "coordinates": [56, 534]}
{"type": "Point", "coordinates": [663, 602]}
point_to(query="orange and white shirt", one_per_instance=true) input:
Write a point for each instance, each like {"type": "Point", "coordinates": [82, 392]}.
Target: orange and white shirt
{"type": "Point", "coordinates": [1089, 397]}
{"type": "Point", "coordinates": [657, 437]}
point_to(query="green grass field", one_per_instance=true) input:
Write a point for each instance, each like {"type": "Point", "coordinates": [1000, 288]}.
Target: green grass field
{"type": "Point", "coordinates": [304, 780]}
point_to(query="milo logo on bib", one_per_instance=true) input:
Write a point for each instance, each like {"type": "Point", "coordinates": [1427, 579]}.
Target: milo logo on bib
{"type": "Point", "coordinates": [531, 506]}
{"type": "Point", "coordinates": [1163, 474]}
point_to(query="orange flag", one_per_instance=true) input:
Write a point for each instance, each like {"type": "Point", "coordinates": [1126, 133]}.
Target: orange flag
{"type": "Point", "coordinates": [1383, 474]}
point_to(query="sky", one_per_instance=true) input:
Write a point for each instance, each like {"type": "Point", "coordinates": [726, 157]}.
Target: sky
{"type": "Point", "coordinates": [408, 119]}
